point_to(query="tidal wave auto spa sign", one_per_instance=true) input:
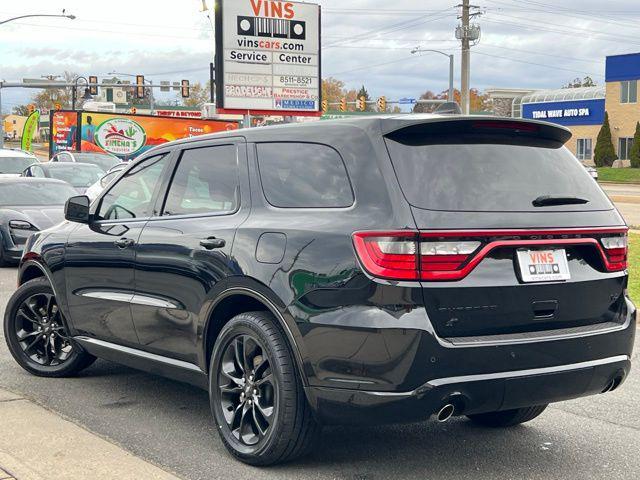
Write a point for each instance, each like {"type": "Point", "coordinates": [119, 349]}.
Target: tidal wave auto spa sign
{"type": "Point", "coordinates": [267, 57]}
{"type": "Point", "coordinates": [575, 112]}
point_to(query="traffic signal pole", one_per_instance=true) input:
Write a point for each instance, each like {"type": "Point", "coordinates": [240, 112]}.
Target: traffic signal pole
{"type": "Point", "coordinates": [466, 59]}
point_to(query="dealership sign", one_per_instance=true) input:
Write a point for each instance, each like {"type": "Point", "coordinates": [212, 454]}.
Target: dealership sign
{"type": "Point", "coordinates": [268, 57]}
{"type": "Point", "coordinates": [120, 136]}
{"type": "Point", "coordinates": [573, 112]}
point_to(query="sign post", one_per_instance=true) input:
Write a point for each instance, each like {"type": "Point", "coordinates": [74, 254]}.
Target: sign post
{"type": "Point", "coordinates": [268, 58]}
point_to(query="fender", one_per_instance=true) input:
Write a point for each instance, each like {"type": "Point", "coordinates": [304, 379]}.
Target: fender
{"type": "Point", "coordinates": [250, 287]}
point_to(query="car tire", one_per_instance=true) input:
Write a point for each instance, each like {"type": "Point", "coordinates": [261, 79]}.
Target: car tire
{"type": "Point", "coordinates": [507, 418]}
{"type": "Point", "coordinates": [257, 398]}
{"type": "Point", "coordinates": [36, 333]}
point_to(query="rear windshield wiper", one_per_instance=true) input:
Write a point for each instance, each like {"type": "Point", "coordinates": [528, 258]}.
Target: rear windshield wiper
{"type": "Point", "coordinates": [551, 200]}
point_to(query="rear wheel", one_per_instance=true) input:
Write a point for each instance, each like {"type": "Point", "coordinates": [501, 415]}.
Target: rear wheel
{"type": "Point", "coordinates": [257, 398]}
{"type": "Point", "coordinates": [507, 418]}
{"type": "Point", "coordinates": [36, 335]}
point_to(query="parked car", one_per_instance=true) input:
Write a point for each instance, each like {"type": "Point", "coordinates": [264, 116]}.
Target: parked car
{"type": "Point", "coordinates": [79, 175]}
{"type": "Point", "coordinates": [28, 205]}
{"type": "Point", "coordinates": [94, 190]}
{"type": "Point", "coordinates": [370, 270]}
{"type": "Point", "coordinates": [13, 162]}
{"type": "Point", "coordinates": [103, 160]}
{"type": "Point", "coordinates": [591, 171]}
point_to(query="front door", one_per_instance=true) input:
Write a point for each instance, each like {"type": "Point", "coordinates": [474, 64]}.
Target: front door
{"type": "Point", "coordinates": [185, 251]}
{"type": "Point", "coordinates": [99, 259]}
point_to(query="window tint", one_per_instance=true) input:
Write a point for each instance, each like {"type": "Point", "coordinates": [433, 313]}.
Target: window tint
{"type": "Point", "coordinates": [131, 196]}
{"type": "Point", "coordinates": [490, 177]}
{"type": "Point", "coordinates": [303, 175]}
{"type": "Point", "coordinates": [205, 181]}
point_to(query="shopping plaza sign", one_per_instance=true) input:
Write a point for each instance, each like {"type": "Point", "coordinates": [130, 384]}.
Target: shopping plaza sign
{"type": "Point", "coordinates": [268, 57]}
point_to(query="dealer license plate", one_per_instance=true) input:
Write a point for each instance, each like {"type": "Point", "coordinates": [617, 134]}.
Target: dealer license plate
{"type": "Point", "coordinates": [543, 265]}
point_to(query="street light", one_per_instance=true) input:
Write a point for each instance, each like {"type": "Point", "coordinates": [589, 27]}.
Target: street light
{"type": "Point", "coordinates": [63, 15]}
{"type": "Point", "coordinates": [87, 93]}
{"type": "Point", "coordinates": [424, 50]}
{"type": "Point", "coordinates": [152, 99]}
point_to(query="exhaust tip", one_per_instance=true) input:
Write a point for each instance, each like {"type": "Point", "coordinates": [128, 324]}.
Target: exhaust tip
{"type": "Point", "coordinates": [445, 413]}
{"type": "Point", "coordinates": [613, 384]}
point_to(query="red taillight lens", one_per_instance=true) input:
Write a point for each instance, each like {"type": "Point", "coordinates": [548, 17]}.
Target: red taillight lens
{"type": "Point", "coordinates": [439, 256]}
{"type": "Point", "coordinates": [615, 248]}
{"type": "Point", "coordinates": [388, 255]}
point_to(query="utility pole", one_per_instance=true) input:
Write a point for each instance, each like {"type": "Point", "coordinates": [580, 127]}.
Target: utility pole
{"type": "Point", "coordinates": [467, 33]}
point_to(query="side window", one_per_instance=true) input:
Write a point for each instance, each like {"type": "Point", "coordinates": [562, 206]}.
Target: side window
{"type": "Point", "coordinates": [205, 181]}
{"type": "Point", "coordinates": [131, 196]}
{"type": "Point", "coordinates": [303, 175]}
{"type": "Point", "coordinates": [37, 172]}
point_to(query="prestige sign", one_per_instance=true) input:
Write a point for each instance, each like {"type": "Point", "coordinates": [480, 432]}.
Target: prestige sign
{"type": "Point", "coordinates": [268, 57]}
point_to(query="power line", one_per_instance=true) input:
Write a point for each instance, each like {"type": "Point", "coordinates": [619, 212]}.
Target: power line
{"type": "Point", "coordinates": [555, 67]}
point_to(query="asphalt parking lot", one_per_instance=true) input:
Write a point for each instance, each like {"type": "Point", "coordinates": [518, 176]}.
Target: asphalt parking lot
{"type": "Point", "coordinates": [168, 423]}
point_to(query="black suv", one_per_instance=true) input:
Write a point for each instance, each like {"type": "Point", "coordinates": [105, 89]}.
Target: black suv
{"type": "Point", "coordinates": [373, 270]}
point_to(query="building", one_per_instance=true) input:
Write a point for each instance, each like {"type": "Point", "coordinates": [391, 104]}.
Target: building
{"type": "Point", "coordinates": [582, 110]}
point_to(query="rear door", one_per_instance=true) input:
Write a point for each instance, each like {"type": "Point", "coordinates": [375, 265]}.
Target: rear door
{"type": "Point", "coordinates": [515, 235]}
{"type": "Point", "coordinates": [186, 251]}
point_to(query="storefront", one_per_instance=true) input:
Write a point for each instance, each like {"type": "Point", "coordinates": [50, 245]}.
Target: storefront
{"type": "Point", "coordinates": [582, 110]}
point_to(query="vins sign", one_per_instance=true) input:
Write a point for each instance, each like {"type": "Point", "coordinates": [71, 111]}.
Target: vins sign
{"type": "Point", "coordinates": [268, 57]}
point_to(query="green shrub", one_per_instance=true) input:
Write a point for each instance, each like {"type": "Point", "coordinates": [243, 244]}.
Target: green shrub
{"type": "Point", "coordinates": [605, 154]}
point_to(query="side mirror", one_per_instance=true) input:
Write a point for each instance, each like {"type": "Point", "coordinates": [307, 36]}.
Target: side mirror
{"type": "Point", "coordinates": [77, 209]}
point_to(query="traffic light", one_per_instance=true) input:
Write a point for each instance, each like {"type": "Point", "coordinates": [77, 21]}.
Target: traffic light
{"type": "Point", "coordinates": [343, 104]}
{"type": "Point", "coordinates": [133, 110]}
{"type": "Point", "coordinates": [382, 104]}
{"type": "Point", "coordinates": [32, 108]}
{"type": "Point", "coordinates": [57, 107]}
{"type": "Point", "coordinates": [185, 89]}
{"type": "Point", "coordinates": [93, 88]}
{"type": "Point", "coordinates": [362, 104]}
{"type": "Point", "coordinates": [325, 106]}
{"type": "Point", "coordinates": [140, 86]}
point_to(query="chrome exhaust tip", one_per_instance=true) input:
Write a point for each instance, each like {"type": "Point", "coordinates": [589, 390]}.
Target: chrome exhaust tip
{"type": "Point", "coordinates": [445, 413]}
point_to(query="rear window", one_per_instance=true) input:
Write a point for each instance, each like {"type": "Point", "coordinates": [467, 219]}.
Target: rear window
{"type": "Point", "coordinates": [485, 175]}
{"type": "Point", "coordinates": [303, 175]}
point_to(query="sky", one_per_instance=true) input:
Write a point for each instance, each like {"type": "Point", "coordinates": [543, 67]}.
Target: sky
{"type": "Point", "coordinates": [524, 44]}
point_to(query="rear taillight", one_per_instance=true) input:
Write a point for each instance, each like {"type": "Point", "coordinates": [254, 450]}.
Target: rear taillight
{"type": "Point", "coordinates": [388, 255]}
{"type": "Point", "coordinates": [615, 249]}
{"type": "Point", "coordinates": [452, 255]}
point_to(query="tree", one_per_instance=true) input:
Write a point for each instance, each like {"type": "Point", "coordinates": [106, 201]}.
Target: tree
{"type": "Point", "coordinates": [47, 98]}
{"type": "Point", "coordinates": [22, 110]}
{"type": "Point", "coordinates": [577, 82]}
{"type": "Point", "coordinates": [634, 154]}
{"type": "Point", "coordinates": [198, 95]}
{"type": "Point", "coordinates": [332, 91]}
{"type": "Point", "coordinates": [364, 93]}
{"type": "Point", "coordinates": [478, 102]}
{"type": "Point", "coordinates": [604, 154]}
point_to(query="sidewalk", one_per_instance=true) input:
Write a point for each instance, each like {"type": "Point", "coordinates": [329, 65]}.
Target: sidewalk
{"type": "Point", "coordinates": [37, 444]}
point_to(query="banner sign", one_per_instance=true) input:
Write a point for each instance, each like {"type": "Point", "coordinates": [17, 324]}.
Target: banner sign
{"type": "Point", "coordinates": [63, 131]}
{"type": "Point", "coordinates": [572, 112]}
{"type": "Point", "coordinates": [29, 130]}
{"type": "Point", "coordinates": [127, 136]}
{"type": "Point", "coordinates": [268, 57]}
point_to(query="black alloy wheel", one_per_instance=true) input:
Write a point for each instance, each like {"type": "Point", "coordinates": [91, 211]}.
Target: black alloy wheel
{"type": "Point", "coordinates": [256, 393]}
{"type": "Point", "coordinates": [40, 332]}
{"type": "Point", "coordinates": [36, 334]}
{"type": "Point", "coordinates": [248, 392]}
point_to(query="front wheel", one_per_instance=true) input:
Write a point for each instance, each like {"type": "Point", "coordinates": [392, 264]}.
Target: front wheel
{"type": "Point", "coordinates": [507, 418]}
{"type": "Point", "coordinates": [36, 335]}
{"type": "Point", "coordinates": [257, 398]}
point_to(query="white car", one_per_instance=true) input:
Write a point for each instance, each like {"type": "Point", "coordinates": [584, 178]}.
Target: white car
{"type": "Point", "coordinates": [591, 171]}
{"type": "Point", "coordinates": [94, 190]}
{"type": "Point", "coordinates": [14, 161]}
{"type": "Point", "coordinates": [103, 160]}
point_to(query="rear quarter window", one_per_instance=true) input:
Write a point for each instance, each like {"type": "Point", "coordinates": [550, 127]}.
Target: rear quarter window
{"type": "Point", "coordinates": [303, 175]}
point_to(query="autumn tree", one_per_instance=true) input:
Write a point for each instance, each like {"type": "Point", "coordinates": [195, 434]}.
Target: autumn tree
{"type": "Point", "coordinates": [22, 110]}
{"type": "Point", "coordinates": [46, 98]}
{"type": "Point", "coordinates": [199, 94]}
{"type": "Point", "coordinates": [478, 102]}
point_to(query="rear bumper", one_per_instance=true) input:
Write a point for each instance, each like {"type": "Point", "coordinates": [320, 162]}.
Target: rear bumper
{"type": "Point", "coordinates": [470, 394]}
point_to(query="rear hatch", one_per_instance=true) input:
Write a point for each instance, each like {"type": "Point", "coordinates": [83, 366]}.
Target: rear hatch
{"type": "Point", "coordinates": [513, 234]}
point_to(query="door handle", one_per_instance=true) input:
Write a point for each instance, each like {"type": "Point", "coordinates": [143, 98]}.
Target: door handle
{"type": "Point", "coordinates": [212, 242]}
{"type": "Point", "coordinates": [124, 243]}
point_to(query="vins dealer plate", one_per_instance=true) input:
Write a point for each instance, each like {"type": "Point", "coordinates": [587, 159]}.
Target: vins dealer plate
{"type": "Point", "coordinates": [543, 265]}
